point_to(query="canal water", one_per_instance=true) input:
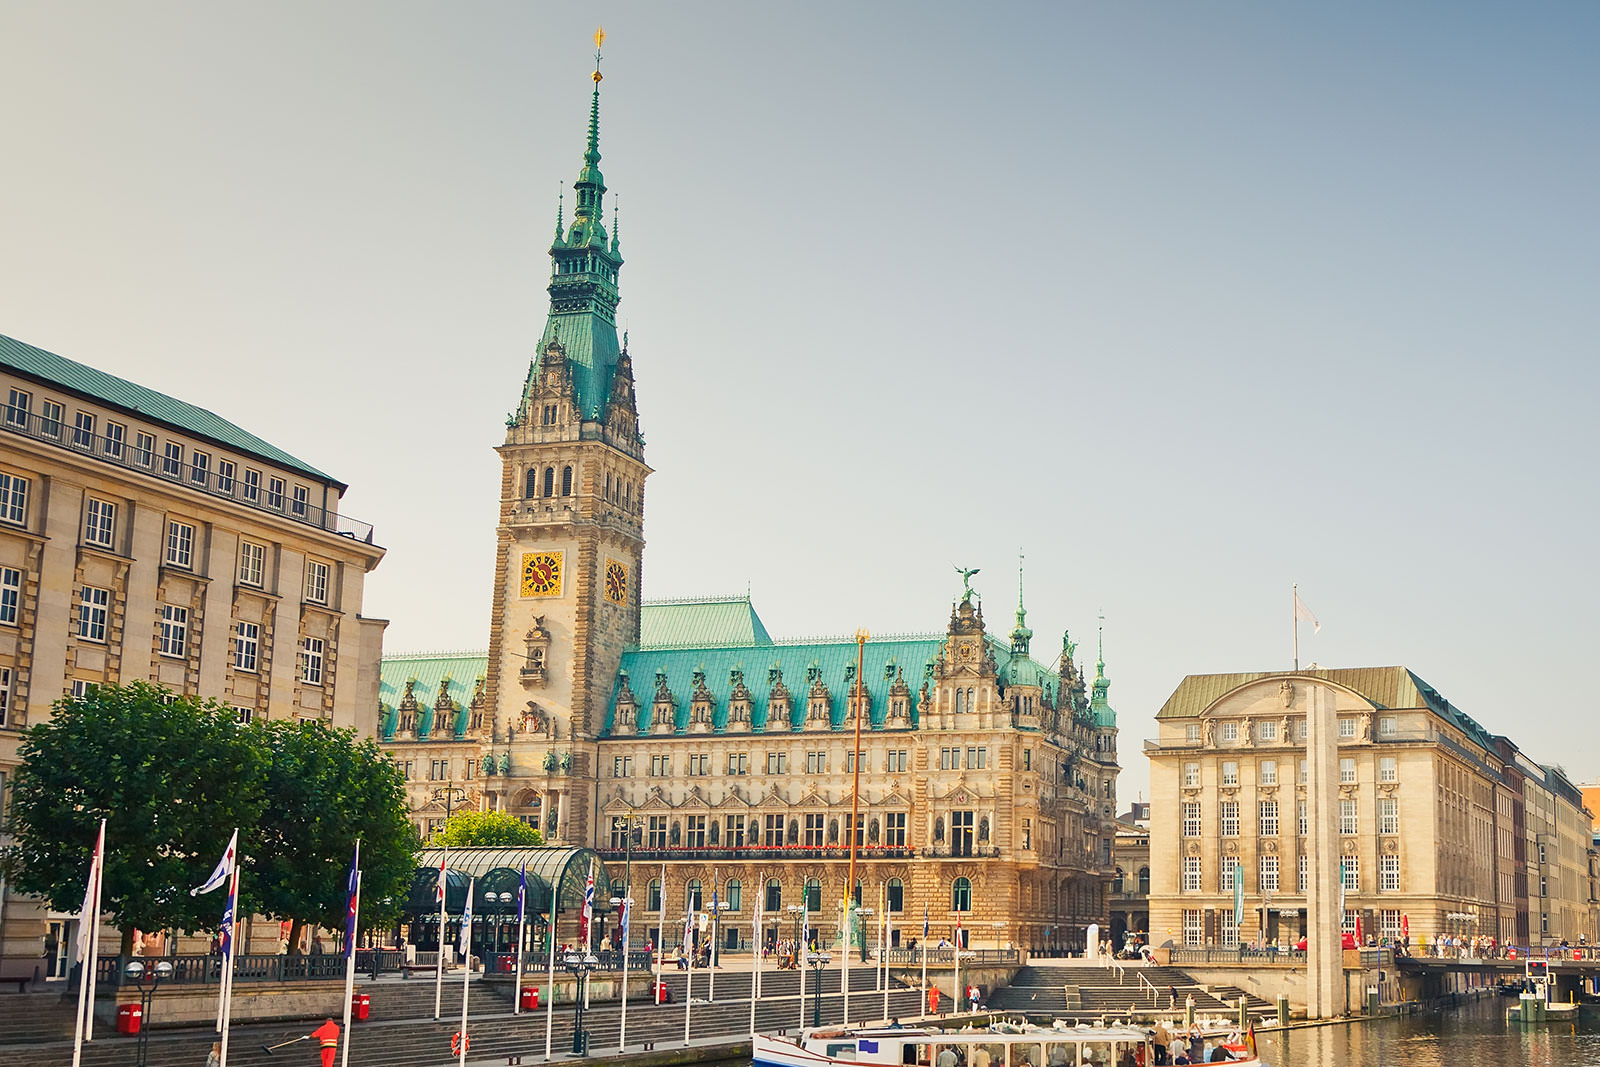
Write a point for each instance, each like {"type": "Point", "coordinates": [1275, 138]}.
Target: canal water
{"type": "Point", "coordinates": [1476, 1033]}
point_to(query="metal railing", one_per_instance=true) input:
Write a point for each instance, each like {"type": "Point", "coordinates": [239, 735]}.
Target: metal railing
{"type": "Point", "coordinates": [1267, 957]}
{"type": "Point", "coordinates": [758, 852]}
{"type": "Point", "coordinates": [969, 956]}
{"type": "Point", "coordinates": [1145, 983]}
{"type": "Point", "coordinates": [260, 494]}
{"type": "Point", "coordinates": [207, 969]}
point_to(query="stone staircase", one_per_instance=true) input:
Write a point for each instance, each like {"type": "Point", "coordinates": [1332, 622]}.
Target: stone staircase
{"type": "Point", "coordinates": [1089, 991]}
{"type": "Point", "coordinates": [29, 1018]}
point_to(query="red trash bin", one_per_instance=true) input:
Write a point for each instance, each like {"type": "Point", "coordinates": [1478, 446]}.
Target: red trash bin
{"type": "Point", "coordinates": [129, 1018]}
{"type": "Point", "coordinates": [530, 998]}
{"type": "Point", "coordinates": [662, 996]}
{"type": "Point", "coordinates": [360, 1006]}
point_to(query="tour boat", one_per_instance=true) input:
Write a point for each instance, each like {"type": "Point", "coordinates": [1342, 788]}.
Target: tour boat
{"type": "Point", "coordinates": [1001, 1045]}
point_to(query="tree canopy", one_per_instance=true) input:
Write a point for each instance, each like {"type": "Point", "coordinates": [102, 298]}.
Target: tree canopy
{"type": "Point", "coordinates": [173, 776]}
{"type": "Point", "coordinates": [485, 829]}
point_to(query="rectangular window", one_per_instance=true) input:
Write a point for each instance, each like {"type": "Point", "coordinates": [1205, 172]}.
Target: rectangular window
{"type": "Point", "coordinates": [1301, 730]}
{"type": "Point", "coordinates": [961, 836]}
{"type": "Point", "coordinates": [13, 499]}
{"type": "Point", "coordinates": [1386, 726]}
{"type": "Point", "coordinates": [1191, 818]}
{"type": "Point", "coordinates": [50, 414]}
{"type": "Point", "coordinates": [225, 472]}
{"type": "Point", "coordinates": [252, 485]}
{"type": "Point", "coordinates": [813, 830]}
{"type": "Point", "coordinates": [1267, 730]}
{"type": "Point", "coordinates": [1230, 731]}
{"type": "Point", "coordinates": [83, 430]}
{"type": "Point", "coordinates": [850, 762]}
{"type": "Point", "coordinates": [1388, 815]}
{"type": "Point", "coordinates": [144, 449]}
{"type": "Point", "coordinates": [243, 714]}
{"type": "Point", "coordinates": [99, 522]}
{"type": "Point", "coordinates": [949, 759]}
{"type": "Point", "coordinates": [1225, 873]}
{"type": "Point", "coordinates": [622, 766]}
{"type": "Point", "coordinates": [172, 461]}
{"type": "Point", "coordinates": [1191, 775]}
{"type": "Point", "coordinates": [10, 595]}
{"type": "Point", "coordinates": [1347, 815]}
{"type": "Point", "coordinates": [699, 764]}
{"type": "Point", "coordinates": [116, 434]}
{"type": "Point", "coordinates": [1347, 727]}
{"type": "Point", "coordinates": [1027, 759]}
{"type": "Point", "coordinates": [199, 467]}
{"type": "Point", "coordinates": [311, 664]}
{"type": "Point", "coordinates": [661, 766]}
{"type": "Point", "coordinates": [1347, 772]}
{"type": "Point", "coordinates": [1230, 772]}
{"type": "Point", "coordinates": [695, 831]}
{"type": "Point", "coordinates": [657, 831]}
{"type": "Point", "coordinates": [777, 763]}
{"type": "Point", "coordinates": [1304, 875]}
{"type": "Point", "coordinates": [1191, 733]}
{"type": "Point", "coordinates": [1389, 923]}
{"type": "Point", "coordinates": [438, 770]}
{"type": "Point", "coordinates": [1193, 930]}
{"type": "Point", "coordinates": [1269, 818]}
{"type": "Point", "coordinates": [739, 763]}
{"type": "Point", "coordinates": [174, 630]}
{"type": "Point", "coordinates": [977, 758]}
{"type": "Point", "coordinates": [1350, 870]}
{"type": "Point", "coordinates": [94, 605]}
{"type": "Point", "coordinates": [180, 544]}
{"type": "Point", "coordinates": [316, 582]}
{"type": "Point", "coordinates": [17, 408]}
{"type": "Point", "coordinates": [1191, 874]}
{"type": "Point", "coordinates": [275, 494]}
{"type": "Point", "coordinates": [772, 831]}
{"type": "Point", "coordinates": [252, 563]}
{"type": "Point", "coordinates": [1386, 769]}
{"type": "Point", "coordinates": [733, 834]}
{"type": "Point", "coordinates": [1269, 874]}
{"type": "Point", "coordinates": [246, 646]}
{"type": "Point", "coordinates": [1228, 818]}
{"type": "Point", "coordinates": [897, 761]}
{"type": "Point", "coordinates": [302, 501]}
{"type": "Point", "coordinates": [894, 829]}
{"type": "Point", "coordinates": [5, 714]}
{"type": "Point", "coordinates": [1302, 772]}
{"type": "Point", "coordinates": [816, 763]}
{"type": "Point", "coordinates": [1027, 833]}
{"type": "Point", "coordinates": [1302, 818]}
{"type": "Point", "coordinates": [1269, 772]}
{"type": "Point", "coordinates": [1388, 874]}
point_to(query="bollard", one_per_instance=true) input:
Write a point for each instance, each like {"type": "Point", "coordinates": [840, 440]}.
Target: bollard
{"type": "Point", "coordinates": [1188, 1011]}
{"type": "Point", "coordinates": [1244, 1016]}
{"type": "Point", "coordinates": [1283, 1009]}
{"type": "Point", "coordinates": [1372, 1000]}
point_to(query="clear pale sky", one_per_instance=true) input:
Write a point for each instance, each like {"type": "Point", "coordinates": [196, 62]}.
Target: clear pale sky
{"type": "Point", "coordinates": [1191, 302]}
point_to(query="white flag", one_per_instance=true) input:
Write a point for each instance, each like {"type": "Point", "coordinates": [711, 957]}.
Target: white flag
{"type": "Point", "coordinates": [87, 915]}
{"type": "Point", "coordinates": [1303, 614]}
{"type": "Point", "coordinates": [224, 868]}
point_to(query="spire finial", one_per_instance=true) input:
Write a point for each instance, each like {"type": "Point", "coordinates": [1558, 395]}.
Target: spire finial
{"type": "Point", "coordinates": [561, 195]}
{"type": "Point", "coordinates": [1020, 558]}
{"type": "Point", "coordinates": [616, 227]}
{"type": "Point", "coordinates": [1101, 644]}
{"type": "Point", "coordinates": [592, 155]}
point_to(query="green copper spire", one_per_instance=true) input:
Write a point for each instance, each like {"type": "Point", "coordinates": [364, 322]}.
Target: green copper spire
{"type": "Point", "coordinates": [1020, 634]}
{"type": "Point", "coordinates": [1103, 714]}
{"type": "Point", "coordinates": [583, 278]}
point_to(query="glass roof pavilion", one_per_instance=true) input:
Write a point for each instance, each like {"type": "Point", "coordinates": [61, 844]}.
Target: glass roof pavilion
{"type": "Point", "coordinates": [499, 870]}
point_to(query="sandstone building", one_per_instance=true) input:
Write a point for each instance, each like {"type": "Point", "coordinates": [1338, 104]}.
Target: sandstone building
{"type": "Point", "coordinates": [144, 538]}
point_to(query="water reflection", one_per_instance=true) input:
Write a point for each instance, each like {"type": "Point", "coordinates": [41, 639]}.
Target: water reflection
{"type": "Point", "coordinates": [1476, 1033]}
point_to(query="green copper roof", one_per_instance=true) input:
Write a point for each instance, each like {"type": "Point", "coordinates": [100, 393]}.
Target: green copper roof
{"type": "Point", "coordinates": [85, 381]}
{"type": "Point", "coordinates": [460, 670]}
{"type": "Point", "coordinates": [701, 621]}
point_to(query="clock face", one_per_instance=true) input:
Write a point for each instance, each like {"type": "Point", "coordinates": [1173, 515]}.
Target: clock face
{"type": "Point", "coordinates": [541, 574]}
{"type": "Point", "coordinates": [616, 582]}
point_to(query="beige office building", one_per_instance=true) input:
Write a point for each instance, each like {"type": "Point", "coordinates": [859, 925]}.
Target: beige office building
{"type": "Point", "coordinates": [1437, 819]}
{"type": "Point", "coordinates": [143, 538]}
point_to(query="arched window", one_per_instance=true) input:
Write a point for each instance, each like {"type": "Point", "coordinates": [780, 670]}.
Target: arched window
{"type": "Point", "coordinates": [895, 895]}
{"type": "Point", "coordinates": [566, 481]}
{"type": "Point", "coordinates": [655, 895]}
{"type": "Point", "coordinates": [692, 895]}
{"type": "Point", "coordinates": [549, 481]}
{"type": "Point", "coordinates": [961, 895]}
{"type": "Point", "coordinates": [813, 895]}
{"type": "Point", "coordinates": [608, 485]}
{"type": "Point", "coordinates": [1144, 880]}
{"type": "Point", "coordinates": [961, 701]}
{"type": "Point", "coordinates": [774, 902]}
{"type": "Point", "coordinates": [735, 894]}
{"type": "Point", "coordinates": [533, 482]}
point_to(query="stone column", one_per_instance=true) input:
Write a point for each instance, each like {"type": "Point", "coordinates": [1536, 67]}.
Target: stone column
{"type": "Point", "coordinates": [1325, 988]}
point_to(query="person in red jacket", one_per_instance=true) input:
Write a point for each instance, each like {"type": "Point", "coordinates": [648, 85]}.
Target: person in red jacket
{"type": "Point", "coordinates": [327, 1036]}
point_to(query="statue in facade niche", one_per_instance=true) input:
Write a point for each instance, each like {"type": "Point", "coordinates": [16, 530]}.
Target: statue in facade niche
{"type": "Point", "coordinates": [488, 765]}
{"type": "Point", "coordinates": [1286, 693]}
{"type": "Point", "coordinates": [1211, 733]}
{"type": "Point", "coordinates": [505, 763]}
{"type": "Point", "coordinates": [1286, 737]}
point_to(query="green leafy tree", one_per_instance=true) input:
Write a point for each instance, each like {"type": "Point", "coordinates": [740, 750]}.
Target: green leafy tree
{"type": "Point", "coordinates": [172, 777]}
{"type": "Point", "coordinates": [485, 829]}
{"type": "Point", "coordinates": [324, 789]}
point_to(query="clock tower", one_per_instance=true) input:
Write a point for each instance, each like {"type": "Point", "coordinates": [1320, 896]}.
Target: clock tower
{"type": "Point", "coordinates": [570, 537]}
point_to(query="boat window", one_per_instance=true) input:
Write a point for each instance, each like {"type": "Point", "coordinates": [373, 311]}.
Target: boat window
{"type": "Point", "coordinates": [991, 1054]}
{"type": "Point", "coordinates": [949, 1056]}
{"type": "Point", "coordinates": [1060, 1054]}
{"type": "Point", "coordinates": [1130, 1055]}
{"type": "Point", "coordinates": [840, 1048]}
{"type": "Point", "coordinates": [923, 1054]}
{"type": "Point", "coordinates": [1096, 1054]}
{"type": "Point", "coordinates": [1026, 1054]}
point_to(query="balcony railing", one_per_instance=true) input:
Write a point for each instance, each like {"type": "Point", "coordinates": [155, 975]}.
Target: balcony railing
{"type": "Point", "coordinates": [759, 852]}
{"type": "Point", "coordinates": [1216, 954]}
{"type": "Point", "coordinates": [123, 453]}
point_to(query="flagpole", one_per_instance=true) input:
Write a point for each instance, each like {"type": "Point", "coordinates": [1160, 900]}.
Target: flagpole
{"type": "Point", "coordinates": [883, 944]}
{"type": "Point", "coordinates": [844, 978]}
{"type": "Point", "coordinates": [960, 993]}
{"type": "Point", "coordinates": [1294, 611]}
{"type": "Point", "coordinates": [94, 940]}
{"type": "Point", "coordinates": [233, 953]}
{"type": "Point", "coordinates": [627, 929]}
{"type": "Point", "coordinates": [86, 962]}
{"type": "Point", "coordinates": [522, 922]}
{"type": "Point", "coordinates": [755, 961]}
{"type": "Point", "coordinates": [466, 964]}
{"type": "Point", "coordinates": [550, 988]}
{"type": "Point", "coordinates": [661, 933]}
{"type": "Point", "coordinates": [800, 955]}
{"type": "Point", "coordinates": [438, 972]}
{"type": "Point", "coordinates": [688, 978]}
{"type": "Point", "coordinates": [923, 945]}
{"type": "Point", "coordinates": [716, 909]}
{"type": "Point", "coordinates": [350, 963]}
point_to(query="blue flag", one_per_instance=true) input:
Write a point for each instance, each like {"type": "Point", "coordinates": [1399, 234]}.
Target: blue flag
{"type": "Point", "coordinates": [522, 894]}
{"type": "Point", "coordinates": [351, 901]}
{"type": "Point", "coordinates": [225, 934]}
{"type": "Point", "coordinates": [924, 922]}
{"type": "Point", "coordinates": [466, 921]}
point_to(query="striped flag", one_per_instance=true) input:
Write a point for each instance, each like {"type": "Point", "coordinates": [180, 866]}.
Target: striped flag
{"type": "Point", "coordinates": [466, 922]}
{"type": "Point", "coordinates": [924, 922]}
{"type": "Point", "coordinates": [588, 909]}
{"type": "Point", "coordinates": [352, 901]}
{"type": "Point", "coordinates": [223, 869]}
{"type": "Point", "coordinates": [438, 896]}
{"type": "Point", "coordinates": [87, 915]}
{"type": "Point", "coordinates": [522, 894]}
{"type": "Point", "coordinates": [625, 919]}
{"type": "Point", "coordinates": [225, 933]}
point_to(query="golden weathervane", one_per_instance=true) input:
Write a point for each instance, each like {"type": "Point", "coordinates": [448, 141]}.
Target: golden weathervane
{"type": "Point", "coordinates": [599, 39]}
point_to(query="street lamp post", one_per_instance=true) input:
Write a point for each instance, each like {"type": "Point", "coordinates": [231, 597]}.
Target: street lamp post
{"type": "Point", "coordinates": [138, 972]}
{"type": "Point", "coordinates": [579, 964]}
{"type": "Point", "coordinates": [798, 910]}
{"type": "Point", "coordinates": [818, 960]}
